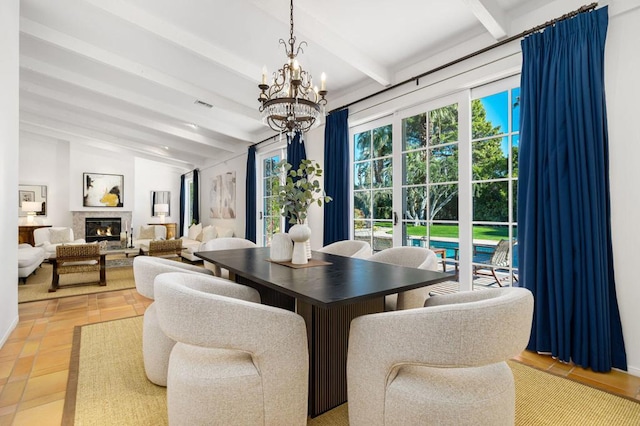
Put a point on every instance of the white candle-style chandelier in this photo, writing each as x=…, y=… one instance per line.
x=291, y=104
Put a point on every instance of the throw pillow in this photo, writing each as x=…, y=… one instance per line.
x=57, y=236
x=194, y=231
x=147, y=233
x=224, y=232
x=208, y=233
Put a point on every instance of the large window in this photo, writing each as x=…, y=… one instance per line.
x=430, y=180
x=270, y=218
x=443, y=175
x=373, y=186
x=495, y=140
x=188, y=202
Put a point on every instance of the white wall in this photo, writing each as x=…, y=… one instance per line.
x=60, y=164
x=87, y=159
x=9, y=66
x=623, y=91
x=154, y=176
x=46, y=162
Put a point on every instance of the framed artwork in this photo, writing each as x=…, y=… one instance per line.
x=222, y=196
x=32, y=193
x=102, y=190
x=160, y=197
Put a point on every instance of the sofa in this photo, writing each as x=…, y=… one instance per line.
x=50, y=238
x=198, y=235
x=29, y=259
x=148, y=233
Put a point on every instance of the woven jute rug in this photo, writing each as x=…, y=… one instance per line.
x=119, y=277
x=107, y=386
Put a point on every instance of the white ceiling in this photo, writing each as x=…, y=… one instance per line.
x=125, y=75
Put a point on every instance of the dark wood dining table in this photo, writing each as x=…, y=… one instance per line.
x=328, y=297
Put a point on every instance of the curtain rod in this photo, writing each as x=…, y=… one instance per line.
x=523, y=34
x=585, y=8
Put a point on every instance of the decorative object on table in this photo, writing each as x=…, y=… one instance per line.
x=300, y=234
x=123, y=239
x=281, y=247
x=291, y=104
x=131, y=236
x=300, y=190
x=161, y=210
x=102, y=190
x=31, y=208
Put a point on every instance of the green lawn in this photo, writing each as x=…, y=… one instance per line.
x=451, y=231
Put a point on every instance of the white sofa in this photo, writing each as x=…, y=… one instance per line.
x=29, y=259
x=50, y=238
x=147, y=234
x=198, y=235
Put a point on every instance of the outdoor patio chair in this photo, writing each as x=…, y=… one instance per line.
x=498, y=260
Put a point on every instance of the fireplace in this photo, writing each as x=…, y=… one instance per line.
x=102, y=228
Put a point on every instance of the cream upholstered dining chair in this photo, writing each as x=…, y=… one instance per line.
x=235, y=362
x=348, y=248
x=411, y=257
x=442, y=364
x=227, y=243
x=156, y=346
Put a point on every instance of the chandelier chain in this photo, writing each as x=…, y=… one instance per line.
x=291, y=39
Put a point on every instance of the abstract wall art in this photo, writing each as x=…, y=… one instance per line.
x=102, y=190
x=222, y=196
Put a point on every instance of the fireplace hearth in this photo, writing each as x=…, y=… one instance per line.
x=102, y=229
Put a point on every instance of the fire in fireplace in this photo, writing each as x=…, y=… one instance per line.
x=102, y=228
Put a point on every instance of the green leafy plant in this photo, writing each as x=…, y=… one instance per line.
x=301, y=188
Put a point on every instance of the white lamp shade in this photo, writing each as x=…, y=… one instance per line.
x=31, y=206
x=161, y=209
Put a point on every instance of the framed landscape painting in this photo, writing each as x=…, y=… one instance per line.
x=102, y=190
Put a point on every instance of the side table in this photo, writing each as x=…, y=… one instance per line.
x=25, y=233
x=171, y=229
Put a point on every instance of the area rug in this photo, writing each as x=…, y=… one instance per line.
x=119, y=277
x=107, y=386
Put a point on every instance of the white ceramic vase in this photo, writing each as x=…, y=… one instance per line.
x=281, y=247
x=299, y=235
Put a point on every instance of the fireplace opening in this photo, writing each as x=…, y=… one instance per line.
x=102, y=229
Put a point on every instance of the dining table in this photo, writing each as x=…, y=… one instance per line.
x=328, y=292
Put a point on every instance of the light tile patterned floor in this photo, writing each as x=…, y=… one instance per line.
x=34, y=361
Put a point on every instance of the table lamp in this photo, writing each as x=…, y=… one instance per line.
x=161, y=210
x=31, y=207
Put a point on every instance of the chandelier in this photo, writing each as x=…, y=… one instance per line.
x=291, y=104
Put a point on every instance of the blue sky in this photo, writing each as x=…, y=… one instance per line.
x=497, y=109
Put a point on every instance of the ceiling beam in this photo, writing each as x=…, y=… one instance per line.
x=176, y=35
x=115, y=92
x=331, y=42
x=40, y=131
x=77, y=102
x=491, y=15
x=133, y=68
x=71, y=124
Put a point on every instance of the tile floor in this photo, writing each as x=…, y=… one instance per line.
x=34, y=361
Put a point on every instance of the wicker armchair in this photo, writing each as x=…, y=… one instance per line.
x=165, y=248
x=76, y=258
